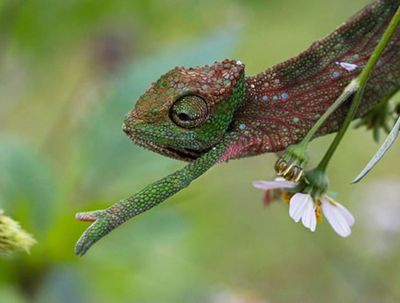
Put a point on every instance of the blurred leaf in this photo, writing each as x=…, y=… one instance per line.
x=10, y=295
x=160, y=231
x=26, y=183
x=64, y=284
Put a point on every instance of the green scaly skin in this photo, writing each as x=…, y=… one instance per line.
x=210, y=114
x=108, y=219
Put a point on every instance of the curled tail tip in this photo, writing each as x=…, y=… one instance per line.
x=82, y=246
x=86, y=241
x=99, y=228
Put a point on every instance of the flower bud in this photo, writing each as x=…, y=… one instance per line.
x=13, y=237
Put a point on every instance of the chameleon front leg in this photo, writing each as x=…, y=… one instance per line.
x=108, y=219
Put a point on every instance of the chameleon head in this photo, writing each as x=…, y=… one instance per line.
x=187, y=111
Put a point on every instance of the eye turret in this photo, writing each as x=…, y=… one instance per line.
x=189, y=111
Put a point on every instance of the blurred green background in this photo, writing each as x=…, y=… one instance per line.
x=70, y=70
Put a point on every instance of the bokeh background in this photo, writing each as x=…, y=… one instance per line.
x=70, y=70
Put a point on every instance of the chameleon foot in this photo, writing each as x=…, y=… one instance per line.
x=102, y=224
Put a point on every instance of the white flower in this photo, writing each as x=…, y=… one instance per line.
x=303, y=207
x=277, y=183
x=337, y=215
x=274, y=189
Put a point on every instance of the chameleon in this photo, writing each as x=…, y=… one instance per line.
x=210, y=114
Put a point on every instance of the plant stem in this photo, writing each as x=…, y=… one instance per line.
x=362, y=81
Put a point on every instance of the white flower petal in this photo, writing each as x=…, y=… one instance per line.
x=268, y=185
x=346, y=214
x=298, y=205
x=309, y=218
x=335, y=218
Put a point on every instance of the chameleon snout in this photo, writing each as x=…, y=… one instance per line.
x=130, y=122
x=126, y=129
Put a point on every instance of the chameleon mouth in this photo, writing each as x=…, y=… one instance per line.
x=184, y=154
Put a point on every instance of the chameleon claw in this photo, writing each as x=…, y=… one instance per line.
x=102, y=225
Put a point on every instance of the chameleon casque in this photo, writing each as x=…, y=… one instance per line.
x=211, y=114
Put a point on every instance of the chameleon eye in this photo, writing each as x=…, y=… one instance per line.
x=189, y=111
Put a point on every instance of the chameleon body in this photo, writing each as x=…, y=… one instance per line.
x=210, y=114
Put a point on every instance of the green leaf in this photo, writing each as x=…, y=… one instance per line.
x=27, y=187
x=391, y=138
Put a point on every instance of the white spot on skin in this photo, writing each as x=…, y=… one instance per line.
x=347, y=66
x=285, y=96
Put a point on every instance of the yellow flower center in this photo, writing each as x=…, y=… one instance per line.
x=318, y=212
x=286, y=196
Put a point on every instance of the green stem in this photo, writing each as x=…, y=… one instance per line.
x=348, y=91
x=362, y=81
